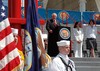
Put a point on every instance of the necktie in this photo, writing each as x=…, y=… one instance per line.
x=66, y=65
x=69, y=62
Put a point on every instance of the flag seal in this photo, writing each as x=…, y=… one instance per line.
x=64, y=33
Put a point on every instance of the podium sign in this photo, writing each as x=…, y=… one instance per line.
x=64, y=33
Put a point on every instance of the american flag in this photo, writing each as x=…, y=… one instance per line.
x=9, y=56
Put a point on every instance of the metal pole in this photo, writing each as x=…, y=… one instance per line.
x=82, y=4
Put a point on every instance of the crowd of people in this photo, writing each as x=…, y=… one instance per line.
x=60, y=49
x=79, y=34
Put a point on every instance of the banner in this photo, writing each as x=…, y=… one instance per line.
x=42, y=13
x=87, y=16
x=64, y=16
x=91, y=15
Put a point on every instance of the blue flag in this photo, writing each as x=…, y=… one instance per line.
x=31, y=51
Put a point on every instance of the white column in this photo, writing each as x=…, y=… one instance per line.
x=45, y=3
x=98, y=4
x=82, y=5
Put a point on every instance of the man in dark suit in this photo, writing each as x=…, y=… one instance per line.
x=51, y=26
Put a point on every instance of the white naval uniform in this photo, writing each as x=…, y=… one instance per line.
x=58, y=65
x=78, y=35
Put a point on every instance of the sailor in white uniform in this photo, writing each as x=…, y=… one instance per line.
x=62, y=62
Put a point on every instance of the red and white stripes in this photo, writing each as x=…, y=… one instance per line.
x=9, y=56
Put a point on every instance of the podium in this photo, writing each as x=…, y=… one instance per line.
x=64, y=33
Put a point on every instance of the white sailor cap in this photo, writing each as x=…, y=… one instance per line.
x=44, y=36
x=14, y=31
x=63, y=43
